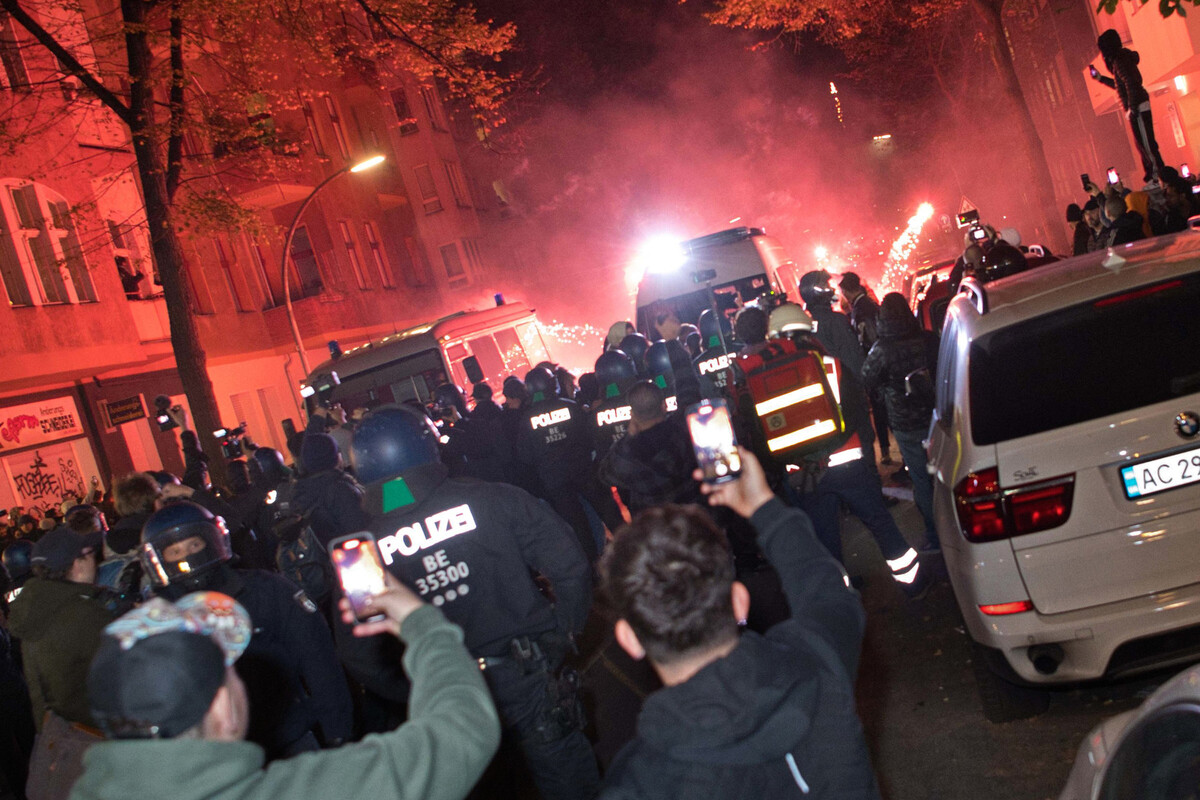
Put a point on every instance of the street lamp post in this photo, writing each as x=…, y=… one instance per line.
x=361, y=166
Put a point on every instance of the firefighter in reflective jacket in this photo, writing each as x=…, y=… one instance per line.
x=555, y=439
x=470, y=548
x=823, y=481
x=716, y=363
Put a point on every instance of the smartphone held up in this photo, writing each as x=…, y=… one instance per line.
x=360, y=572
x=711, y=427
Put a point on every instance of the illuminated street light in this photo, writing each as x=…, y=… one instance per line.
x=361, y=166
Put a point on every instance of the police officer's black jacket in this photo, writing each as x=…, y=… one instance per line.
x=716, y=369
x=610, y=421
x=332, y=502
x=467, y=547
x=290, y=669
x=839, y=340
x=555, y=438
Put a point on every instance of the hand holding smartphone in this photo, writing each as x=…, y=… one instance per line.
x=711, y=427
x=1095, y=72
x=1113, y=177
x=360, y=573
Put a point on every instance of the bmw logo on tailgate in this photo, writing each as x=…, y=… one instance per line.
x=1187, y=424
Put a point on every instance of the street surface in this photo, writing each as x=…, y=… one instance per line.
x=917, y=698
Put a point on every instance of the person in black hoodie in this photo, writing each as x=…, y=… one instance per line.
x=901, y=367
x=654, y=461
x=739, y=716
x=1127, y=80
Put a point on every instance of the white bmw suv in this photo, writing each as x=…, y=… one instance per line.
x=1065, y=449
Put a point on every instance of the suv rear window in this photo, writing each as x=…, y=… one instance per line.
x=1087, y=361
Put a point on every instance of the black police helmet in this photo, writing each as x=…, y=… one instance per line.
x=16, y=560
x=541, y=381
x=815, y=289
x=635, y=345
x=450, y=395
x=391, y=440
x=710, y=323
x=271, y=465
x=1002, y=260
x=173, y=524
x=616, y=372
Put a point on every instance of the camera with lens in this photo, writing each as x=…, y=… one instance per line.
x=162, y=409
x=231, y=441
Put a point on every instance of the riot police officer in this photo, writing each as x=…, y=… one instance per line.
x=635, y=345
x=716, y=363
x=298, y=693
x=671, y=370
x=615, y=372
x=470, y=548
x=554, y=438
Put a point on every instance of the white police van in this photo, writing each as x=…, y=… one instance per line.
x=462, y=348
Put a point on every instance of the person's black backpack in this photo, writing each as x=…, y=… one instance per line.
x=300, y=557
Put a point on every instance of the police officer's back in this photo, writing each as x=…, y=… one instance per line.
x=615, y=372
x=468, y=548
x=555, y=439
x=715, y=364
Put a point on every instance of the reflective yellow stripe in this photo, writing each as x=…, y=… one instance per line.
x=845, y=456
x=788, y=399
x=802, y=435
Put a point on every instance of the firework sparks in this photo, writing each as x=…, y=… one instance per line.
x=902, y=248
x=576, y=347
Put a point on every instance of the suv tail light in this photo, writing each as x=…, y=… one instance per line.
x=987, y=512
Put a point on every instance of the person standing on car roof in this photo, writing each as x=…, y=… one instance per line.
x=556, y=441
x=847, y=476
x=1127, y=80
x=470, y=549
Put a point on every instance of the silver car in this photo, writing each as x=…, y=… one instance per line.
x=1149, y=753
x=1066, y=462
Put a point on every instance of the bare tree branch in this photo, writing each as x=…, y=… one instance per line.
x=64, y=56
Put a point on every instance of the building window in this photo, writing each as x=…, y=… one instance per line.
x=237, y=286
x=429, y=194
x=457, y=185
x=16, y=76
x=314, y=133
x=408, y=122
x=433, y=108
x=129, y=261
x=305, y=260
x=339, y=133
x=44, y=258
x=453, y=263
x=377, y=256
x=474, y=260
x=259, y=262
x=352, y=253
x=202, y=302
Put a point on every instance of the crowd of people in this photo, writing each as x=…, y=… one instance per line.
x=197, y=639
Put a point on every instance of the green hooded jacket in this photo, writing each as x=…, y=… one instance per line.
x=59, y=624
x=439, y=753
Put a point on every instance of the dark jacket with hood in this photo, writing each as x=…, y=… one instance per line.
x=59, y=624
x=654, y=467
x=903, y=348
x=1123, y=64
x=332, y=502
x=775, y=718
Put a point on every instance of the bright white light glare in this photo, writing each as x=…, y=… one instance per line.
x=661, y=254
x=307, y=391
x=883, y=137
x=821, y=252
x=373, y=161
x=903, y=247
x=1181, y=83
